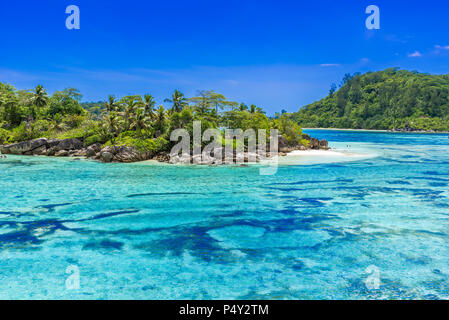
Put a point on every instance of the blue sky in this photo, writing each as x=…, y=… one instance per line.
x=275, y=54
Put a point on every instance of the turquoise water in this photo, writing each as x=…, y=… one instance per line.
x=146, y=231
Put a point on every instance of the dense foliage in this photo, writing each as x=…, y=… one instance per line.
x=389, y=99
x=132, y=120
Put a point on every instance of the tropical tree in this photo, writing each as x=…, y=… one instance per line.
x=39, y=100
x=290, y=130
x=220, y=102
x=243, y=107
x=111, y=126
x=208, y=99
x=140, y=121
x=202, y=103
x=149, y=105
x=10, y=109
x=66, y=102
x=129, y=107
x=160, y=121
x=57, y=123
x=111, y=105
x=178, y=101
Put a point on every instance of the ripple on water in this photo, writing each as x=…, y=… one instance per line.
x=241, y=237
x=308, y=232
x=103, y=245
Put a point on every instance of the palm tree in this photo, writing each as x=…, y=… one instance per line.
x=259, y=110
x=178, y=100
x=160, y=120
x=57, y=123
x=111, y=126
x=111, y=105
x=243, y=107
x=130, y=105
x=149, y=104
x=139, y=121
x=39, y=100
x=254, y=109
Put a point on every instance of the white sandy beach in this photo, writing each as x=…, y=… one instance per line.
x=338, y=153
x=319, y=153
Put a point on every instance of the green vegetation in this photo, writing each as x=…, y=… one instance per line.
x=132, y=120
x=389, y=99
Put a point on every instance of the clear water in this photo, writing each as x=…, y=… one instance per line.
x=146, y=231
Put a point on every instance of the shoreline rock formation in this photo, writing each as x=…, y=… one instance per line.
x=75, y=148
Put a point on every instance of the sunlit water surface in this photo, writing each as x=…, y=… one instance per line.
x=149, y=231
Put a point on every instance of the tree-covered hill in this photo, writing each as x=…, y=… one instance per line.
x=389, y=99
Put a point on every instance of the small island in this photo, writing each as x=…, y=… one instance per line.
x=135, y=128
x=129, y=129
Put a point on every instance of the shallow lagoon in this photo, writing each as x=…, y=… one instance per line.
x=150, y=231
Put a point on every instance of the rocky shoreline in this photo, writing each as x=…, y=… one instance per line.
x=127, y=154
x=409, y=128
x=415, y=131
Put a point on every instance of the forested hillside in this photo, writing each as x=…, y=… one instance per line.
x=389, y=99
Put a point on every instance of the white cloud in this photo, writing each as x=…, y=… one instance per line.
x=395, y=38
x=326, y=65
x=442, y=47
x=415, y=54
